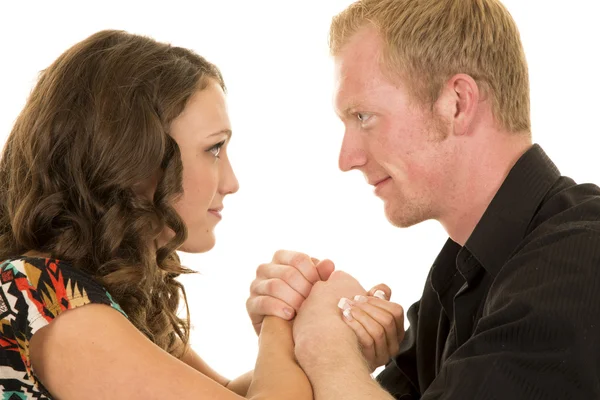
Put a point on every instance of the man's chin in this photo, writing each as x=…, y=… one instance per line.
x=403, y=219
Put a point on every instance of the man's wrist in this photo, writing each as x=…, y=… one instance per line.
x=318, y=353
x=338, y=370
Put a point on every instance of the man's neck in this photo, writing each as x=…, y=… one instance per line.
x=479, y=180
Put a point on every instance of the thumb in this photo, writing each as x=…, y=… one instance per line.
x=325, y=268
x=382, y=287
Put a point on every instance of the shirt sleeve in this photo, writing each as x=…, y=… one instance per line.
x=34, y=292
x=538, y=337
x=45, y=288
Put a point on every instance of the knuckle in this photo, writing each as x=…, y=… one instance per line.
x=398, y=312
x=258, y=303
x=272, y=285
x=279, y=254
x=261, y=270
x=367, y=342
x=253, y=285
x=379, y=333
x=388, y=320
x=299, y=258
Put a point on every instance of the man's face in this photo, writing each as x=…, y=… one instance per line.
x=399, y=146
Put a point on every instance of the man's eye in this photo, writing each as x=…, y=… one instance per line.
x=362, y=117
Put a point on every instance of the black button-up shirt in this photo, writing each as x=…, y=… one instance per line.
x=515, y=313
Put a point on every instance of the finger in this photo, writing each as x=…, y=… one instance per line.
x=288, y=274
x=384, y=288
x=278, y=289
x=260, y=306
x=325, y=268
x=365, y=340
x=394, y=309
x=300, y=261
x=382, y=318
x=375, y=331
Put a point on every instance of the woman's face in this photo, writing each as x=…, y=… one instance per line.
x=202, y=132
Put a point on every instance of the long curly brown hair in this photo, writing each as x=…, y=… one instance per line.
x=94, y=130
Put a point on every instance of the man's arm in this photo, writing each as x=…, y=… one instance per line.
x=327, y=348
x=538, y=337
x=337, y=370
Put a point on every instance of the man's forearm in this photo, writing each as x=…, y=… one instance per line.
x=340, y=372
x=346, y=383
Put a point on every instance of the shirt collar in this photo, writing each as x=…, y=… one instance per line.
x=505, y=221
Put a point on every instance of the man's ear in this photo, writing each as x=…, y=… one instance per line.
x=458, y=103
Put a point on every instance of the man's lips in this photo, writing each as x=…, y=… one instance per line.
x=382, y=181
x=380, y=184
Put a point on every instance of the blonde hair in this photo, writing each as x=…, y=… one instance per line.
x=427, y=42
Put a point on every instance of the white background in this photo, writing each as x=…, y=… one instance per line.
x=274, y=57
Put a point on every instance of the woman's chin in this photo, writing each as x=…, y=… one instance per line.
x=199, y=245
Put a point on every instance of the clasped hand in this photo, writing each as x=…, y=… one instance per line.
x=283, y=285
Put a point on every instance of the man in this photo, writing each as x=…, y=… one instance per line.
x=434, y=96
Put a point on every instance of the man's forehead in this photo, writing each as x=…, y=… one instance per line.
x=358, y=63
x=355, y=81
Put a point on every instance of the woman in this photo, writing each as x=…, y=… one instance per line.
x=118, y=159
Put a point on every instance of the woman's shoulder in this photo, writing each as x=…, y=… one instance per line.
x=51, y=285
x=33, y=292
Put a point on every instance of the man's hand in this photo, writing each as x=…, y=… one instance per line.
x=377, y=322
x=282, y=285
x=320, y=333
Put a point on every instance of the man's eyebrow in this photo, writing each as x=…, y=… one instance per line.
x=223, y=131
x=350, y=109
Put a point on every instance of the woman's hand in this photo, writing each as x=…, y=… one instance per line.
x=282, y=285
x=377, y=323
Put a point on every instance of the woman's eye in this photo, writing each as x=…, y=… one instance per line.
x=216, y=149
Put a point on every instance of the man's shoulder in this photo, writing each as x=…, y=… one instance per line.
x=558, y=261
x=563, y=236
x=566, y=209
x=566, y=244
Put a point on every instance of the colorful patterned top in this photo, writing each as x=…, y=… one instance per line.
x=34, y=291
